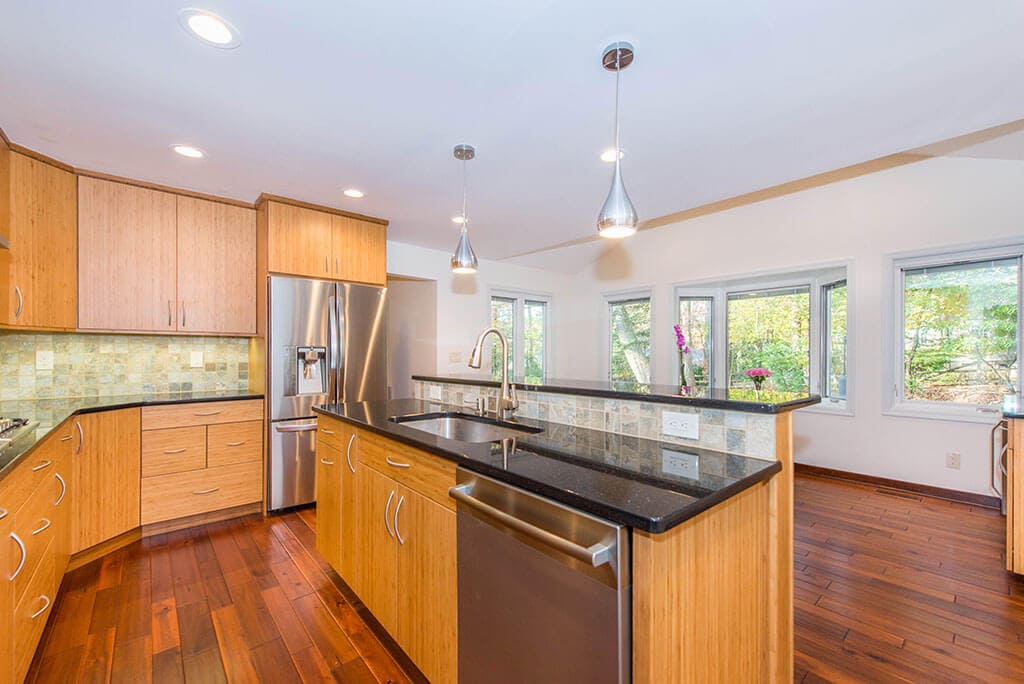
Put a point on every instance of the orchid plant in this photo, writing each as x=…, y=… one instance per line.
x=758, y=375
x=686, y=379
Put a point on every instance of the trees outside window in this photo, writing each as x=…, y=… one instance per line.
x=770, y=329
x=629, y=358
x=523, y=319
x=834, y=323
x=696, y=320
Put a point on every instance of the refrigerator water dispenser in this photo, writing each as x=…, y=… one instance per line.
x=307, y=370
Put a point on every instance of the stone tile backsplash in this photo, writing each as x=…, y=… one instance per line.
x=737, y=432
x=87, y=365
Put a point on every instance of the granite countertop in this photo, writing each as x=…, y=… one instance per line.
x=747, y=400
x=50, y=413
x=649, y=485
x=1013, y=406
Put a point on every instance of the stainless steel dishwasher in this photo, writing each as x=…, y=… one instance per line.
x=544, y=590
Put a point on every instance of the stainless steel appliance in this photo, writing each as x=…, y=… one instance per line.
x=544, y=590
x=998, y=446
x=325, y=344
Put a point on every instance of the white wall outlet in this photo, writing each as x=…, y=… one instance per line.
x=953, y=460
x=44, y=360
x=196, y=359
x=680, y=463
x=455, y=357
x=685, y=425
x=435, y=392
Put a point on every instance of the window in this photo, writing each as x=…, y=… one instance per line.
x=770, y=329
x=523, y=319
x=833, y=363
x=629, y=343
x=696, y=316
x=958, y=329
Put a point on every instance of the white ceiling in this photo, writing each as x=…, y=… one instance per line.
x=723, y=99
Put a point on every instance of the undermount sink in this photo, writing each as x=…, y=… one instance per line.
x=465, y=428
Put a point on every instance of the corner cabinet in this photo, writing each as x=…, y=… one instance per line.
x=1015, y=497
x=153, y=261
x=38, y=216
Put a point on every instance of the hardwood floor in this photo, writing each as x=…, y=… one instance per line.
x=890, y=587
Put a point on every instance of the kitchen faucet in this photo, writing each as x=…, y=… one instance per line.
x=507, y=399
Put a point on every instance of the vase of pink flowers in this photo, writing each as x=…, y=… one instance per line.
x=758, y=375
x=686, y=379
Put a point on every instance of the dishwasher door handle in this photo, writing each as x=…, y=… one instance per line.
x=596, y=555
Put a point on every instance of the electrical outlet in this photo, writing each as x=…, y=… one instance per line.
x=44, y=360
x=953, y=460
x=685, y=425
x=196, y=359
x=455, y=357
x=680, y=463
x=435, y=392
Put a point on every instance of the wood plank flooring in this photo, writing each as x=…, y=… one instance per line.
x=890, y=587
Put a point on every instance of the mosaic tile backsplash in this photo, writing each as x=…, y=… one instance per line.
x=103, y=365
x=736, y=432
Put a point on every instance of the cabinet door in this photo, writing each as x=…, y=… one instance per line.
x=1015, y=498
x=299, y=241
x=43, y=257
x=127, y=254
x=8, y=561
x=375, y=546
x=359, y=249
x=216, y=267
x=329, y=464
x=427, y=586
x=351, y=532
x=106, y=476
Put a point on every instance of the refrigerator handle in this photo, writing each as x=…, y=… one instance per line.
x=334, y=349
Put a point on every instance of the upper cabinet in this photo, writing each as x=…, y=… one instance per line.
x=305, y=241
x=37, y=214
x=153, y=261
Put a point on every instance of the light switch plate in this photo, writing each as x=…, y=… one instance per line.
x=455, y=357
x=44, y=360
x=196, y=359
x=685, y=425
x=681, y=464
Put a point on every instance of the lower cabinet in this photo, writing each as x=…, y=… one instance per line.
x=1015, y=497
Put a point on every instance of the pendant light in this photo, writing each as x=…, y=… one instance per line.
x=618, y=217
x=463, y=258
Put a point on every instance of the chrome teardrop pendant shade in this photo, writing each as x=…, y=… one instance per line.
x=618, y=216
x=464, y=258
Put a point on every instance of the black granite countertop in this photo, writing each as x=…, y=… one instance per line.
x=1013, y=406
x=50, y=413
x=641, y=483
x=747, y=400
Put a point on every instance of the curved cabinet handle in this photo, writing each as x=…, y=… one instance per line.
x=396, y=463
x=24, y=556
x=66, y=438
x=21, y=302
x=207, y=491
x=183, y=314
x=46, y=604
x=206, y=413
x=42, y=528
x=398, y=534
x=348, y=452
x=63, y=489
x=326, y=431
x=3, y=513
x=81, y=438
x=170, y=313
x=326, y=462
x=45, y=463
x=387, y=508
x=237, y=444
x=175, y=451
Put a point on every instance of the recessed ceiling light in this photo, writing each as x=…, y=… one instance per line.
x=458, y=219
x=188, y=151
x=609, y=155
x=352, y=192
x=209, y=28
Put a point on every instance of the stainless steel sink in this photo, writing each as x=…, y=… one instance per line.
x=465, y=428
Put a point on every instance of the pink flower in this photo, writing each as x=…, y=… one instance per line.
x=681, y=340
x=757, y=373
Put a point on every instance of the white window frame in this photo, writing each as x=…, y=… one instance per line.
x=623, y=296
x=893, y=386
x=519, y=324
x=717, y=323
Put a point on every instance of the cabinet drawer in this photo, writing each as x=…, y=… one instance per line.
x=234, y=443
x=35, y=524
x=425, y=473
x=173, y=450
x=177, y=495
x=40, y=465
x=201, y=413
x=32, y=613
x=329, y=432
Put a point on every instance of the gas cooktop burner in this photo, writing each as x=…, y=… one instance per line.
x=11, y=424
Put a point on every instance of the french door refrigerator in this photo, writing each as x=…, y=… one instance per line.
x=325, y=344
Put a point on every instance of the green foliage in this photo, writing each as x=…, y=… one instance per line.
x=630, y=359
x=771, y=331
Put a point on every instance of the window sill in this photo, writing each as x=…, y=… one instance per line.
x=828, y=408
x=959, y=414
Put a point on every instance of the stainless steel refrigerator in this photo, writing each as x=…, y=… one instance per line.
x=325, y=344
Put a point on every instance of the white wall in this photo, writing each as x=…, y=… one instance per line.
x=412, y=332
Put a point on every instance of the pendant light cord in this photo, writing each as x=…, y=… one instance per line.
x=464, y=195
x=618, y=70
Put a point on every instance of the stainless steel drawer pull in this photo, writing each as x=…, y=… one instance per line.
x=66, y=438
x=326, y=462
x=175, y=451
x=46, y=604
x=595, y=555
x=398, y=534
x=21, y=303
x=81, y=438
x=348, y=453
x=396, y=463
x=295, y=428
x=3, y=513
x=170, y=313
x=236, y=444
x=42, y=464
x=63, y=489
x=24, y=556
x=326, y=431
x=206, y=413
x=42, y=528
x=387, y=508
x=207, y=491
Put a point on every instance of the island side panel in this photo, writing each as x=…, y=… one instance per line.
x=780, y=574
x=701, y=595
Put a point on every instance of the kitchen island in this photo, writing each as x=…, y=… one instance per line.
x=710, y=531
